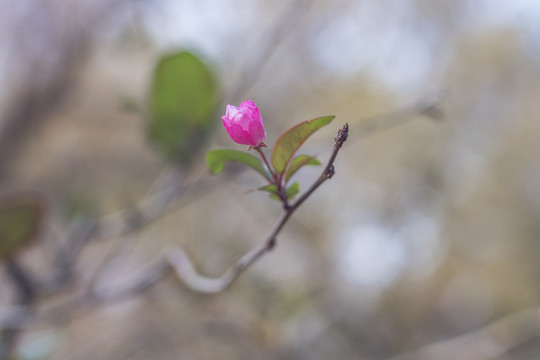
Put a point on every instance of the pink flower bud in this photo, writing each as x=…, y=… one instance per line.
x=244, y=124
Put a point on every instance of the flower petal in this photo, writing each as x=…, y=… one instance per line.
x=257, y=133
x=244, y=124
x=231, y=111
x=239, y=135
x=247, y=104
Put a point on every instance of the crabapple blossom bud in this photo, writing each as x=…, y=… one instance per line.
x=244, y=124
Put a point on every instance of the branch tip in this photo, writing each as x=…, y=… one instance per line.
x=342, y=135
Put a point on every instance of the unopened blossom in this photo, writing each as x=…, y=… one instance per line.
x=244, y=124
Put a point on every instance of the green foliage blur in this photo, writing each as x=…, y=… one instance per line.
x=19, y=221
x=182, y=106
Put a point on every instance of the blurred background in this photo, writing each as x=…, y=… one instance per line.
x=424, y=245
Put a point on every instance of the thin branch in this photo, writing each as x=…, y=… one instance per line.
x=21, y=317
x=193, y=280
x=329, y=170
x=123, y=221
x=148, y=277
x=430, y=108
x=21, y=280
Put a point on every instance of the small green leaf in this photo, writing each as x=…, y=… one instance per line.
x=293, y=190
x=216, y=160
x=19, y=221
x=182, y=105
x=272, y=189
x=297, y=163
x=292, y=139
x=269, y=188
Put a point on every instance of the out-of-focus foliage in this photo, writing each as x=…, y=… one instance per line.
x=182, y=103
x=19, y=222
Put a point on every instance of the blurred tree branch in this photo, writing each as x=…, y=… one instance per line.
x=42, y=85
x=431, y=108
x=25, y=291
x=488, y=342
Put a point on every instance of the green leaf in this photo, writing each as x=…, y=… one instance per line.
x=293, y=190
x=216, y=160
x=182, y=105
x=292, y=139
x=272, y=189
x=19, y=222
x=297, y=163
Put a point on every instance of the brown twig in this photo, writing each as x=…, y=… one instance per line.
x=186, y=271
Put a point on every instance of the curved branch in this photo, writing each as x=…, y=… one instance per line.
x=185, y=270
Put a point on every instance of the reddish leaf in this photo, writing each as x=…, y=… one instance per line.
x=292, y=139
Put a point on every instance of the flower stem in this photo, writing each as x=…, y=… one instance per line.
x=274, y=176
